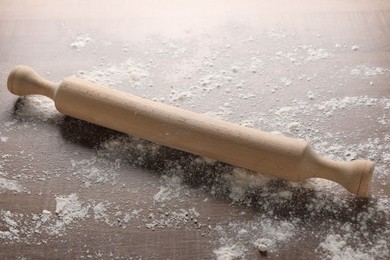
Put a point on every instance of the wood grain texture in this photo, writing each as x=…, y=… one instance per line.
x=175, y=48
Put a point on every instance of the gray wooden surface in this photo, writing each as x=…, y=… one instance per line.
x=317, y=70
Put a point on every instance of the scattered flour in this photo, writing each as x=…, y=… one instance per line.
x=262, y=230
x=30, y=109
x=286, y=82
x=95, y=170
x=293, y=125
x=80, y=42
x=10, y=185
x=229, y=252
x=303, y=54
x=12, y=232
x=182, y=96
x=275, y=34
x=336, y=246
x=241, y=181
x=4, y=139
x=40, y=220
x=173, y=188
x=277, y=218
x=7, y=184
x=100, y=212
x=317, y=54
x=310, y=95
x=367, y=72
x=69, y=210
x=129, y=72
x=135, y=214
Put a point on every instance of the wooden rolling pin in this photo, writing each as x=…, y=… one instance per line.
x=270, y=154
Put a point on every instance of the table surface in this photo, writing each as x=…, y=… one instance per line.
x=316, y=70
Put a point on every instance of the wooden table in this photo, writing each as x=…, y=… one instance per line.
x=317, y=70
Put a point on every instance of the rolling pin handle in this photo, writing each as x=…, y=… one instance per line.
x=23, y=81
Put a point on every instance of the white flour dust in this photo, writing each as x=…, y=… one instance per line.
x=177, y=190
x=80, y=42
x=68, y=210
x=11, y=185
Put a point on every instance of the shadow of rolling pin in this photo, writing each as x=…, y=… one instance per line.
x=282, y=157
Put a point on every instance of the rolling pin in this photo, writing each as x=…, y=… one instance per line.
x=269, y=154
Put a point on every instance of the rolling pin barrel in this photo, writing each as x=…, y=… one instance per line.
x=270, y=154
